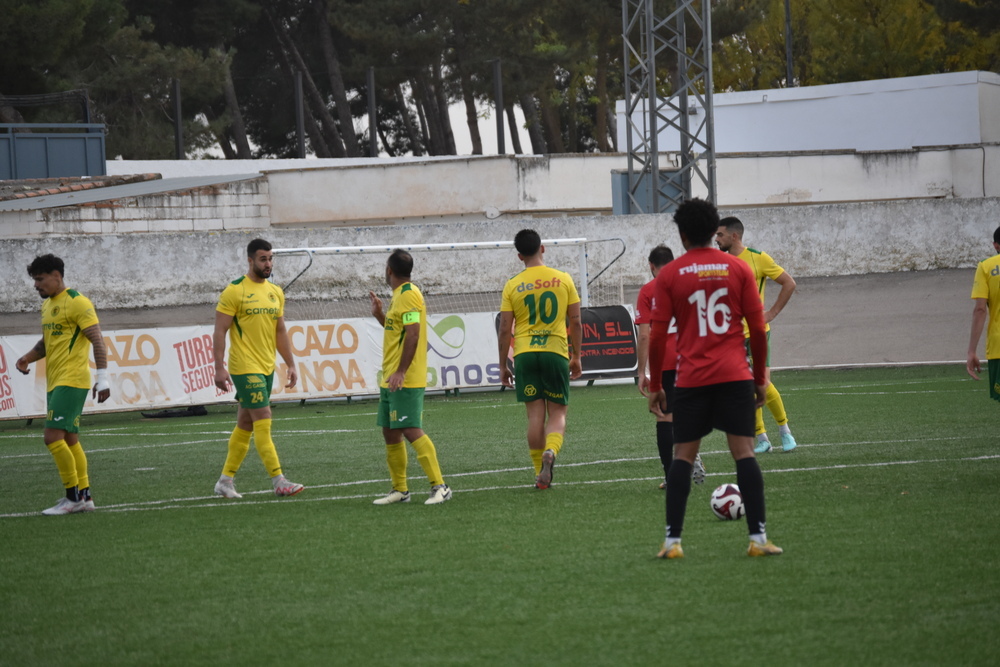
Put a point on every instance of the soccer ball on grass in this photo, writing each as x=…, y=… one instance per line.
x=727, y=502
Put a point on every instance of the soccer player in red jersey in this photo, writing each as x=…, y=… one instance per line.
x=659, y=257
x=710, y=292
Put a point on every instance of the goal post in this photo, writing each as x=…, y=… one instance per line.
x=458, y=277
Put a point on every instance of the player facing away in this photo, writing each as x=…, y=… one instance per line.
x=251, y=310
x=659, y=257
x=709, y=292
x=541, y=304
x=404, y=380
x=729, y=238
x=69, y=329
x=986, y=294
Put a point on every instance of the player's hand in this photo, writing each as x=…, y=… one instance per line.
x=644, y=384
x=396, y=380
x=376, y=304
x=972, y=365
x=293, y=377
x=761, y=394
x=222, y=380
x=575, y=368
x=100, y=394
x=769, y=316
x=22, y=366
x=657, y=402
x=506, y=376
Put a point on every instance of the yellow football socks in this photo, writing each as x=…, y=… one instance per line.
x=65, y=462
x=554, y=441
x=427, y=457
x=265, y=447
x=395, y=456
x=536, y=458
x=239, y=445
x=83, y=480
x=776, y=405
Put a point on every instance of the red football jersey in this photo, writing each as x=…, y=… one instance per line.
x=709, y=292
x=644, y=315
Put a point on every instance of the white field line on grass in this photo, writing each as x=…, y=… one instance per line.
x=212, y=501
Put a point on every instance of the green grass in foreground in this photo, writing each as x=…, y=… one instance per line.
x=886, y=513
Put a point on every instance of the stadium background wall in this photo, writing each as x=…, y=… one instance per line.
x=137, y=270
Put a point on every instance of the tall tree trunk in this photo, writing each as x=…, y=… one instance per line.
x=442, y=105
x=601, y=89
x=471, y=116
x=336, y=79
x=530, y=110
x=432, y=115
x=515, y=131
x=551, y=125
x=573, y=131
x=385, y=142
x=237, y=128
x=613, y=127
x=314, y=97
x=415, y=139
x=424, y=131
x=316, y=139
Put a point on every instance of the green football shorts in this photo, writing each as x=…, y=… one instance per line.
x=541, y=375
x=403, y=408
x=993, y=370
x=746, y=343
x=64, y=406
x=253, y=390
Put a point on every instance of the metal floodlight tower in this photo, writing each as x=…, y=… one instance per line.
x=651, y=42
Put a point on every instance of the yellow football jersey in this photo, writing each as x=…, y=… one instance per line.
x=763, y=267
x=987, y=286
x=67, y=350
x=255, y=308
x=539, y=297
x=407, y=307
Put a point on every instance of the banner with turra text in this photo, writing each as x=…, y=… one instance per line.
x=175, y=367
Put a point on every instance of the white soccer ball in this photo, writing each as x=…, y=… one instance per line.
x=727, y=502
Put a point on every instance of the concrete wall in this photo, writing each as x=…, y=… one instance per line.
x=243, y=204
x=169, y=268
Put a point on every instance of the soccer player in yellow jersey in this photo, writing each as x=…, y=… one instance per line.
x=252, y=311
x=986, y=294
x=69, y=329
x=538, y=302
x=403, y=381
x=729, y=238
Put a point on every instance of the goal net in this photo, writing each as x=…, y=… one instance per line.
x=333, y=282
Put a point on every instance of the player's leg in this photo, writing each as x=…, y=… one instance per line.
x=763, y=442
x=692, y=422
x=82, y=471
x=527, y=384
x=665, y=427
x=553, y=378
x=734, y=415
x=407, y=406
x=258, y=406
x=395, y=452
x=64, y=407
x=239, y=440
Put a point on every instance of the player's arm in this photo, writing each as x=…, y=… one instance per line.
x=979, y=312
x=657, y=343
x=411, y=338
x=753, y=313
x=503, y=347
x=102, y=389
x=787, y=288
x=575, y=340
x=284, y=345
x=222, y=324
x=376, y=308
x=32, y=355
x=643, y=352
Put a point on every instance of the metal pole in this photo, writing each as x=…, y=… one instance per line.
x=300, y=116
x=372, y=133
x=789, y=75
x=178, y=125
x=584, y=289
x=498, y=106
